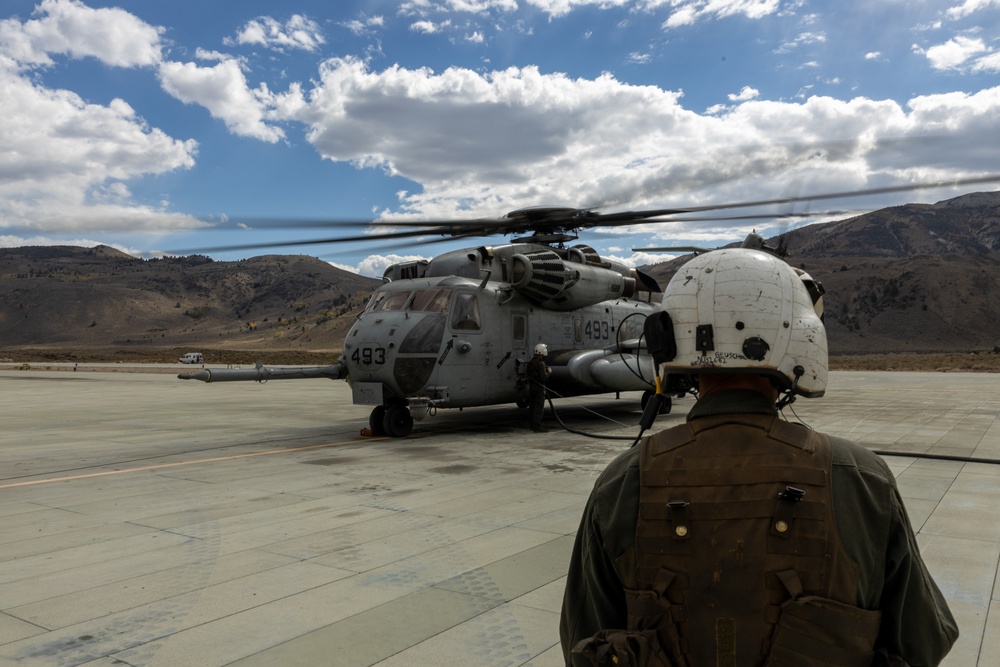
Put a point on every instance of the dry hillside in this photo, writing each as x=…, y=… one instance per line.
x=82, y=303
x=915, y=278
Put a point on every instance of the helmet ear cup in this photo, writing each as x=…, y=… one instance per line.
x=659, y=332
x=815, y=290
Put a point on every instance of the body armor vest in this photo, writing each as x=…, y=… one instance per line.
x=737, y=561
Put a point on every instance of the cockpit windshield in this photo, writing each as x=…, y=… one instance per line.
x=392, y=301
x=430, y=300
x=423, y=301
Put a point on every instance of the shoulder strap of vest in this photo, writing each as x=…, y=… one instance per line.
x=793, y=434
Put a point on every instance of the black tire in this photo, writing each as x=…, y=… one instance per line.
x=376, y=420
x=398, y=422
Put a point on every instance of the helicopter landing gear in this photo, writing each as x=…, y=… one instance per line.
x=664, y=406
x=376, y=420
x=397, y=422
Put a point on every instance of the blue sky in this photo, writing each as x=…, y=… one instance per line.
x=150, y=125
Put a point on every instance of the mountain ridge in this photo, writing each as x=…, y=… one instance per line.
x=916, y=278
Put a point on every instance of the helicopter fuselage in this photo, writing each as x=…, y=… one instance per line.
x=454, y=342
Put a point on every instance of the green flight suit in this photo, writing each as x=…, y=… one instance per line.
x=917, y=627
x=538, y=373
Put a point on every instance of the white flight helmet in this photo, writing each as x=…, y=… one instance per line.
x=747, y=311
x=542, y=349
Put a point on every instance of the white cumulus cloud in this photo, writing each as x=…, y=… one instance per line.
x=68, y=27
x=747, y=93
x=224, y=91
x=298, y=32
x=555, y=140
x=970, y=7
x=375, y=265
x=955, y=53
x=688, y=12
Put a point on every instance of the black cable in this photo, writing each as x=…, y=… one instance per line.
x=939, y=457
x=653, y=408
x=585, y=434
x=618, y=342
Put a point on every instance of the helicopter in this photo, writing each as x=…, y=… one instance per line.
x=458, y=330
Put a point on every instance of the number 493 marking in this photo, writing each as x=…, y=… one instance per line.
x=369, y=356
x=597, y=329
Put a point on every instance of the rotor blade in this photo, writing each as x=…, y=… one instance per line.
x=307, y=242
x=993, y=178
x=680, y=248
x=244, y=223
x=562, y=219
x=760, y=216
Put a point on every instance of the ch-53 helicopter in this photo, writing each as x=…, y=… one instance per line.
x=458, y=330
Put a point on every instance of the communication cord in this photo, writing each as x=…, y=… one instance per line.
x=645, y=422
x=915, y=455
x=653, y=407
x=618, y=342
x=939, y=457
x=597, y=436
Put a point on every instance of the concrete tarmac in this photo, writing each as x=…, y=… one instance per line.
x=149, y=521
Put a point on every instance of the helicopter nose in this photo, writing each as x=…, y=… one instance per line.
x=424, y=336
x=418, y=354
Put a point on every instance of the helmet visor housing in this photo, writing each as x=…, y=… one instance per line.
x=745, y=311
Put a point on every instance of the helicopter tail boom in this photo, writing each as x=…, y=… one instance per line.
x=263, y=374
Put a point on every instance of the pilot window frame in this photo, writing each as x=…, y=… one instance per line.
x=375, y=301
x=465, y=314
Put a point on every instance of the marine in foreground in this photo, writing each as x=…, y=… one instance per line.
x=738, y=538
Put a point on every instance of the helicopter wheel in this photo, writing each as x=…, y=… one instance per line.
x=376, y=420
x=398, y=422
x=664, y=406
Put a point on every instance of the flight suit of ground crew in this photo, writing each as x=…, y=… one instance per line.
x=538, y=373
x=733, y=494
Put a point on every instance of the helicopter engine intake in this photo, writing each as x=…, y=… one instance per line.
x=545, y=278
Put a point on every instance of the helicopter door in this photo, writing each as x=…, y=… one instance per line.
x=472, y=350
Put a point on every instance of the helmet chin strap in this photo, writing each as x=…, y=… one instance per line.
x=789, y=396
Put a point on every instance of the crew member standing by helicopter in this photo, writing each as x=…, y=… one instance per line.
x=538, y=373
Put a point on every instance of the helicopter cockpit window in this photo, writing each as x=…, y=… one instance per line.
x=373, y=303
x=393, y=301
x=430, y=300
x=465, y=315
